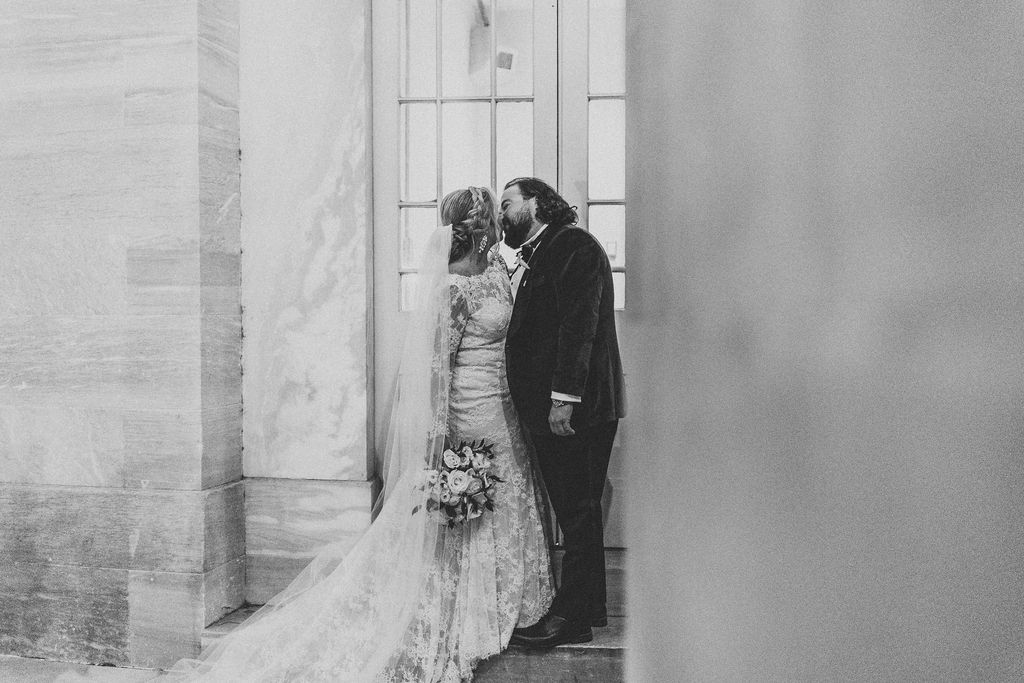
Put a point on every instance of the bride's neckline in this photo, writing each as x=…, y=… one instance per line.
x=483, y=272
x=480, y=274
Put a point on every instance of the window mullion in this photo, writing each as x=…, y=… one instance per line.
x=573, y=89
x=438, y=62
x=494, y=95
x=545, y=91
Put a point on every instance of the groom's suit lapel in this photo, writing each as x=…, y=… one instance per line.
x=526, y=285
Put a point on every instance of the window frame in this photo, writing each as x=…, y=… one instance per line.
x=560, y=122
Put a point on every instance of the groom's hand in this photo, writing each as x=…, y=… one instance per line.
x=559, y=418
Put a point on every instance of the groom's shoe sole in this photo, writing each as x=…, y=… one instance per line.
x=584, y=637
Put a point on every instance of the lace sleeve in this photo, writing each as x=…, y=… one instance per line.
x=459, y=318
x=499, y=261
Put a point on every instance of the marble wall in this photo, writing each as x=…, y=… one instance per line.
x=120, y=388
x=305, y=132
x=828, y=207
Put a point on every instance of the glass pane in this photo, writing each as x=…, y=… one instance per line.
x=608, y=225
x=465, y=145
x=416, y=226
x=407, y=285
x=418, y=155
x=419, y=49
x=607, y=46
x=466, y=47
x=607, y=150
x=619, y=283
x=514, y=50
x=515, y=141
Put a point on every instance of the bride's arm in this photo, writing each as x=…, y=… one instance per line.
x=458, y=319
x=452, y=320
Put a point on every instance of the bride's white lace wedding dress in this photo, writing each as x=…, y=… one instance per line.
x=414, y=600
x=504, y=553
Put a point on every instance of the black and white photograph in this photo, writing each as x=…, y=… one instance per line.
x=322, y=359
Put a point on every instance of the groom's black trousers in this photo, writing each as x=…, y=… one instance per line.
x=574, y=470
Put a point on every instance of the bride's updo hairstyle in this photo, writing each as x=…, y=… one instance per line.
x=471, y=212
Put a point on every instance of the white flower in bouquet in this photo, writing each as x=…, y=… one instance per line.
x=462, y=487
x=458, y=481
x=451, y=459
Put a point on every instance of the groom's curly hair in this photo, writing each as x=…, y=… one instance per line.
x=551, y=208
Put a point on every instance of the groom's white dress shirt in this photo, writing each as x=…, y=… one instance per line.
x=522, y=266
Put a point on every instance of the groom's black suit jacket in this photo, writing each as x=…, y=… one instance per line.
x=562, y=333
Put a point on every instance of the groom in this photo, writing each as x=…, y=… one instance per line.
x=565, y=377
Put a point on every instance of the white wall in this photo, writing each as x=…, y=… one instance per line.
x=825, y=203
x=305, y=193
x=305, y=127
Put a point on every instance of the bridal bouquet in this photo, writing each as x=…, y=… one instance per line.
x=464, y=486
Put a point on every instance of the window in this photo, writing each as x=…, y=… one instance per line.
x=482, y=91
x=606, y=130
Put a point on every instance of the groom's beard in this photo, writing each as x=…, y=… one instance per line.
x=516, y=228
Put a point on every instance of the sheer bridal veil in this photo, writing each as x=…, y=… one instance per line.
x=355, y=612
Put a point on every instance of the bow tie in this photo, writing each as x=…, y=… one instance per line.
x=523, y=257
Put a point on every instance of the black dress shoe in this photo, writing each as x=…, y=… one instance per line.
x=601, y=620
x=528, y=631
x=552, y=630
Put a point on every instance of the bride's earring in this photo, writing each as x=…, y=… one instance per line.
x=483, y=245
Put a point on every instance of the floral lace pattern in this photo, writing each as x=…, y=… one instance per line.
x=495, y=569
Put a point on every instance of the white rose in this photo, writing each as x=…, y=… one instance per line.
x=458, y=481
x=467, y=452
x=451, y=459
x=474, y=486
x=446, y=497
x=430, y=477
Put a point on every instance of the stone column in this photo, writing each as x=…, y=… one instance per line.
x=120, y=398
x=307, y=282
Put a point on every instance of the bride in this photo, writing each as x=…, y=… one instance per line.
x=416, y=599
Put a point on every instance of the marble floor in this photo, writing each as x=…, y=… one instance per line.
x=25, y=670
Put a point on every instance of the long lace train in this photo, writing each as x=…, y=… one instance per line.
x=414, y=600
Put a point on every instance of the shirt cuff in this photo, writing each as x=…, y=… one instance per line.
x=566, y=397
